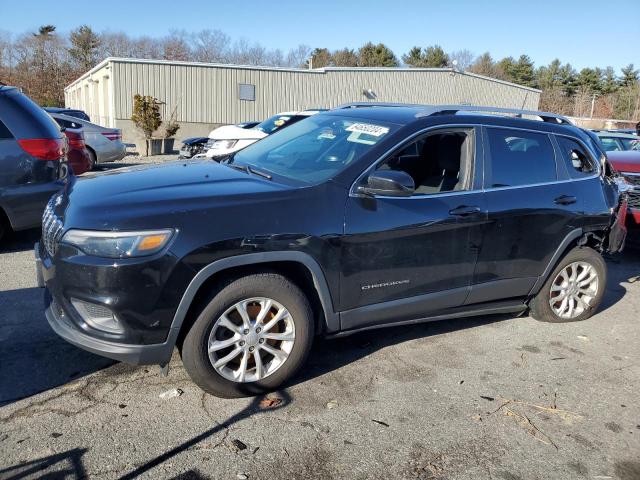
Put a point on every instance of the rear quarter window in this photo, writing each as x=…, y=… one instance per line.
x=578, y=161
x=25, y=118
x=520, y=158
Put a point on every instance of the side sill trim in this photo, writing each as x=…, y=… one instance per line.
x=499, y=307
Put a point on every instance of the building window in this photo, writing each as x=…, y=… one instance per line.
x=247, y=92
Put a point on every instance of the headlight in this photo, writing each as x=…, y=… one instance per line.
x=622, y=183
x=223, y=144
x=118, y=244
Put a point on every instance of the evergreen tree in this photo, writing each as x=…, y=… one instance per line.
x=344, y=58
x=589, y=80
x=379, y=55
x=522, y=72
x=45, y=30
x=84, y=47
x=568, y=79
x=431, y=57
x=414, y=58
x=609, y=81
x=629, y=76
x=549, y=76
x=320, y=57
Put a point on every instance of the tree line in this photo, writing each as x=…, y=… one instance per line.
x=602, y=92
x=43, y=62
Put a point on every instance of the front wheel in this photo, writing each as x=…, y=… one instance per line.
x=253, y=335
x=574, y=290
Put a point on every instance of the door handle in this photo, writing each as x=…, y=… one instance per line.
x=464, y=210
x=565, y=200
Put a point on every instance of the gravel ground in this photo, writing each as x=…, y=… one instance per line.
x=495, y=397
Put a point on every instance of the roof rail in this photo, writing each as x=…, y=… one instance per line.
x=376, y=104
x=453, y=109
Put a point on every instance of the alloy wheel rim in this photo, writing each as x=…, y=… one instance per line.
x=574, y=290
x=251, y=340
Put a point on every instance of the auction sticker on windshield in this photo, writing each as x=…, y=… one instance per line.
x=367, y=128
x=366, y=133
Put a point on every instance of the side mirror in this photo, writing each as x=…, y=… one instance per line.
x=389, y=183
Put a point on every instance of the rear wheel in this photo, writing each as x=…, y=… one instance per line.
x=574, y=290
x=253, y=335
x=92, y=159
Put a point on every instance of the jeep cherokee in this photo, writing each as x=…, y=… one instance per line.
x=357, y=218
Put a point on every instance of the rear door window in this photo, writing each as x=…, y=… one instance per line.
x=575, y=155
x=610, y=144
x=520, y=157
x=4, y=131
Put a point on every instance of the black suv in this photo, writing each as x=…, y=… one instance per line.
x=360, y=217
x=33, y=161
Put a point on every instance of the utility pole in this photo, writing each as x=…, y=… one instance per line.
x=593, y=104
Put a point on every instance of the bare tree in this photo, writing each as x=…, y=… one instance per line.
x=210, y=46
x=298, y=56
x=176, y=47
x=463, y=58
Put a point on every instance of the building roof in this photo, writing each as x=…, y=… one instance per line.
x=313, y=71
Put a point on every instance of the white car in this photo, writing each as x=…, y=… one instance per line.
x=229, y=139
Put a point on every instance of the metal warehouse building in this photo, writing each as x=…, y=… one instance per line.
x=208, y=95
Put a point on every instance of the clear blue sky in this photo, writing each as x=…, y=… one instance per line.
x=582, y=32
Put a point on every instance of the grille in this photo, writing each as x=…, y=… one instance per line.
x=634, y=199
x=632, y=179
x=51, y=228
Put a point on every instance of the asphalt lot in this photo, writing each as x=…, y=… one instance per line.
x=485, y=398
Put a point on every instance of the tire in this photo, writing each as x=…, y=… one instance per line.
x=199, y=363
x=5, y=226
x=92, y=159
x=586, y=299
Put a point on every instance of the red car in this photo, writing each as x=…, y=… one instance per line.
x=627, y=163
x=77, y=155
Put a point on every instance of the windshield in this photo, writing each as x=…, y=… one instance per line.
x=276, y=122
x=630, y=143
x=314, y=149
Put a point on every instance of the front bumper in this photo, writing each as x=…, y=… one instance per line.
x=134, y=354
x=145, y=340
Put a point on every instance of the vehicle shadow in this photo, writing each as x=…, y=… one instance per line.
x=274, y=401
x=622, y=268
x=69, y=464
x=20, y=241
x=33, y=358
x=64, y=465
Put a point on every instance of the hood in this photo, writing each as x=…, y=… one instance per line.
x=625, y=161
x=192, y=140
x=232, y=132
x=122, y=198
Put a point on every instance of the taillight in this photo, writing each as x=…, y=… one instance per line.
x=44, y=148
x=76, y=140
x=117, y=135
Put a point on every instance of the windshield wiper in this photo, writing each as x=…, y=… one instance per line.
x=249, y=169
x=243, y=168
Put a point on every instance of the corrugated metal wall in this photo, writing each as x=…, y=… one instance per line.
x=209, y=94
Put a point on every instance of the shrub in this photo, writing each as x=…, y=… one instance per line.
x=146, y=115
